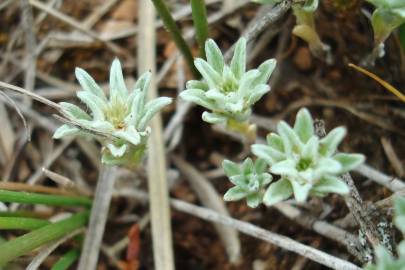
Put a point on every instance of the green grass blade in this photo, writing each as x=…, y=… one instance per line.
x=171, y=26
x=26, y=243
x=66, y=260
x=37, y=198
x=199, y=13
x=22, y=223
x=21, y=213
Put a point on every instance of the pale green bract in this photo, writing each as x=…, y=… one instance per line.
x=306, y=164
x=250, y=180
x=123, y=117
x=228, y=92
x=384, y=259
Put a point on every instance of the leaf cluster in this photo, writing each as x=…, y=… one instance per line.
x=306, y=164
x=124, y=115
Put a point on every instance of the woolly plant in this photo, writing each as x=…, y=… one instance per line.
x=122, y=118
x=228, y=92
x=304, y=163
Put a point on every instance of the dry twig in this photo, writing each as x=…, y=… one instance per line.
x=157, y=180
x=210, y=198
x=98, y=219
x=252, y=230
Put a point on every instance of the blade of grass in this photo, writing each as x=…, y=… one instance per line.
x=66, y=260
x=50, y=247
x=22, y=213
x=387, y=86
x=171, y=26
x=21, y=223
x=36, y=198
x=32, y=240
x=199, y=13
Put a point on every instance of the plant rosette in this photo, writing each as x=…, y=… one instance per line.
x=306, y=164
x=250, y=180
x=228, y=91
x=122, y=118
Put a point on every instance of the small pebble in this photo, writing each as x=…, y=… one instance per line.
x=303, y=59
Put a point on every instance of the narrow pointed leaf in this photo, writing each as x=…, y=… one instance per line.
x=88, y=84
x=95, y=104
x=238, y=62
x=349, y=161
x=329, y=144
x=230, y=168
x=153, y=107
x=65, y=130
x=285, y=167
x=117, y=83
x=212, y=77
x=235, y=194
x=194, y=84
x=265, y=69
x=213, y=118
x=277, y=192
x=301, y=191
x=274, y=140
x=197, y=96
x=304, y=125
x=214, y=55
x=74, y=111
x=291, y=141
x=253, y=200
x=331, y=184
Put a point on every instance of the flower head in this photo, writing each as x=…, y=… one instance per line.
x=228, y=92
x=250, y=180
x=305, y=163
x=122, y=117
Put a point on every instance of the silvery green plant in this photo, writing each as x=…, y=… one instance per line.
x=384, y=258
x=304, y=12
x=306, y=164
x=228, y=91
x=250, y=180
x=388, y=15
x=122, y=118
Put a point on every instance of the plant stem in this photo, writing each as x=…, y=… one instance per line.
x=21, y=223
x=171, y=26
x=199, y=13
x=32, y=240
x=66, y=260
x=36, y=198
x=98, y=219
